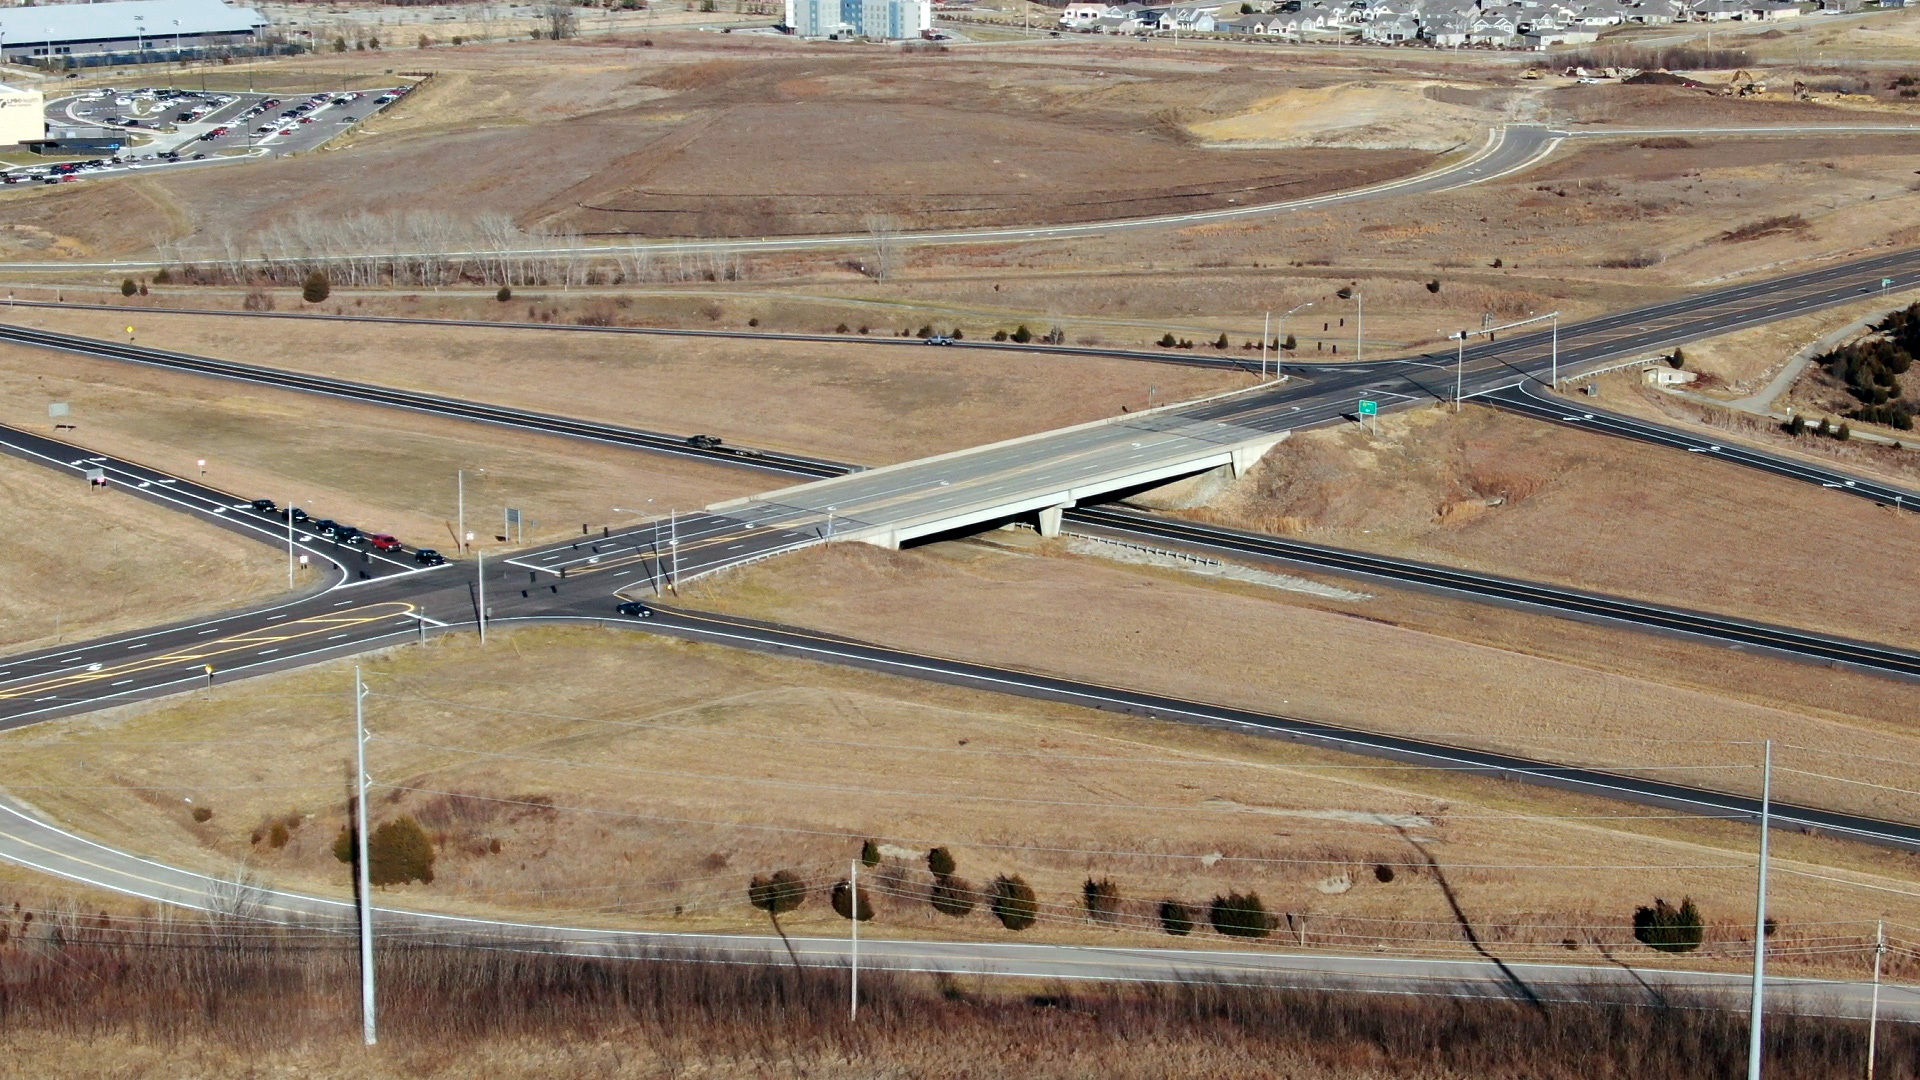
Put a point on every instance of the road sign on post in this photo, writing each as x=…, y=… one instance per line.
x=1370, y=409
x=96, y=478
x=514, y=526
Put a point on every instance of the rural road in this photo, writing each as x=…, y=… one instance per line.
x=1508, y=149
x=29, y=840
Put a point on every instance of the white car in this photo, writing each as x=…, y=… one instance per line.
x=123, y=100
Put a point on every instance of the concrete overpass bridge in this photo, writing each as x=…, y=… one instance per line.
x=1042, y=474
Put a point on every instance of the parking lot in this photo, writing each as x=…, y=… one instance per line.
x=170, y=129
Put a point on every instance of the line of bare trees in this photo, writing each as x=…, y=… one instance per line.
x=433, y=248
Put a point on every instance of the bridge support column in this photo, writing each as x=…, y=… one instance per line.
x=887, y=540
x=1246, y=457
x=1050, y=519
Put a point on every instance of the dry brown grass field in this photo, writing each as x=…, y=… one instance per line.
x=863, y=402
x=1468, y=674
x=611, y=778
x=79, y=563
x=1492, y=491
x=380, y=469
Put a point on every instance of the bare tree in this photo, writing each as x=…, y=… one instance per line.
x=882, y=227
x=562, y=22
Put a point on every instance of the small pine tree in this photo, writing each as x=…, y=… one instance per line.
x=1383, y=873
x=163, y=276
x=278, y=836
x=1237, y=915
x=1667, y=928
x=1022, y=334
x=127, y=287
x=940, y=862
x=1797, y=425
x=1167, y=341
x=870, y=854
x=999, y=335
x=952, y=896
x=957, y=335
x=1844, y=433
x=1678, y=359
x=1433, y=286
x=842, y=899
x=202, y=814
x=1290, y=344
x=399, y=852
x=1176, y=918
x=1013, y=902
x=777, y=895
x=505, y=294
x=843, y=328
x=1221, y=342
x=1102, y=900
x=1825, y=428
x=317, y=288
x=1345, y=292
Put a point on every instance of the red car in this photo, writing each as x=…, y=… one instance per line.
x=383, y=542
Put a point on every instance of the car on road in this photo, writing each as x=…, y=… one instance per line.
x=383, y=542
x=326, y=527
x=295, y=515
x=704, y=442
x=347, y=534
x=635, y=609
x=265, y=506
x=429, y=557
x=939, y=339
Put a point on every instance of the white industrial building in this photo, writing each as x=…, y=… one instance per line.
x=54, y=33
x=23, y=116
x=887, y=20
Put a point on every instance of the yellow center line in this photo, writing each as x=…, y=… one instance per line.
x=205, y=651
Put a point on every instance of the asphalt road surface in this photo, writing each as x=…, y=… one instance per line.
x=1530, y=399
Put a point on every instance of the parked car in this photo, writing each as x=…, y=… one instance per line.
x=347, y=534
x=265, y=506
x=295, y=514
x=383, y=542
x=326, y=527
x=635, y=609
x=429, y=557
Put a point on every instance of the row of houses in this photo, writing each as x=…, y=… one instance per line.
x=1445, y=23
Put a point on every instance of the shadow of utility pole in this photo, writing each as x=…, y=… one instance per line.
x=1466, y=925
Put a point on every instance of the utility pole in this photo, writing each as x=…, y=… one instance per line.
x=364, y=886
x=460, y=505
x=289, y=543
x=482, y=553
x=1760, y=920
x=673, y=550
x=1873, y=1017
x=853, y=906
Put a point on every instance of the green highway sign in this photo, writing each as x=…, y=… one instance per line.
x=1369, y=408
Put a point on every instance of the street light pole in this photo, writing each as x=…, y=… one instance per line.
x=460, y=505
x=1760, y=920
x=1459, y=367
x=1283, y=332
x=482, y=553
x=1360, y=326
x=1556, y=352
x=289, y=543
x=1266, y=325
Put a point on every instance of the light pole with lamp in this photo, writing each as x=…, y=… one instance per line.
x=1283, y=332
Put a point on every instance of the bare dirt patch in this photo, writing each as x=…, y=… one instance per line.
x=79, y=563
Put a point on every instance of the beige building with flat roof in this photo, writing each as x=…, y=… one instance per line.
x=23, y=115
